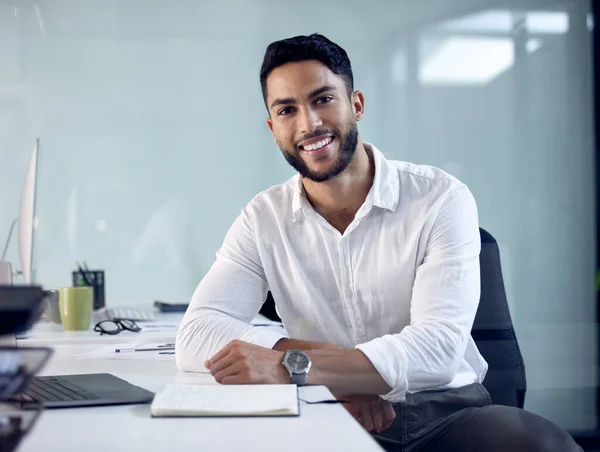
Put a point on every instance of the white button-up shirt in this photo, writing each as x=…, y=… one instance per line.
x=401, y=283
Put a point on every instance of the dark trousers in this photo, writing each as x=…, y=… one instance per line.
x=465, y=420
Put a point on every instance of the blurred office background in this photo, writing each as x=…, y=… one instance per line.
x=153, y=137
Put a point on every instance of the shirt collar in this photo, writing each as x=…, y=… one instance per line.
x=299, y=198
x=386, y=183
x=384, y=193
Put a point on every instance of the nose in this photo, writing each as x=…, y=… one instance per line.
x=309, y=120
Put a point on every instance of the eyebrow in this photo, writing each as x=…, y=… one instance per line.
x=291, y=100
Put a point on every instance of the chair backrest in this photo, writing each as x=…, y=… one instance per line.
x=268, y=308
x=493, y=331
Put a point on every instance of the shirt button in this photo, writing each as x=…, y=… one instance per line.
x=349, y=293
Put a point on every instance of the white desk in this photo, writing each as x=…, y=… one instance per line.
x=49, y=334
x=130, y=428
x=45, y=333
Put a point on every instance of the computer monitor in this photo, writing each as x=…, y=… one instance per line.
x=27, y=217
x=26, y=223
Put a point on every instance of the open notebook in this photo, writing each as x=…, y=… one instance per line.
x=226, y=400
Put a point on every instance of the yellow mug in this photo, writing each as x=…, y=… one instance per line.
x=76, y=305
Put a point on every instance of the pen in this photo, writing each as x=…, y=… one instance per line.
x=83, y=275
x=88, y=273
x=159, y=348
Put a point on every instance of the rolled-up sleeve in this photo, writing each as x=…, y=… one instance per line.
x=226, y=300
x=427, y=353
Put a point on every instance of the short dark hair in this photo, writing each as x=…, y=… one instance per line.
x=304, y=48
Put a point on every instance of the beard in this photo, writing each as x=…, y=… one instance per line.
x=347, y=147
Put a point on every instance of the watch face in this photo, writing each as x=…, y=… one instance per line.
x=297, y=362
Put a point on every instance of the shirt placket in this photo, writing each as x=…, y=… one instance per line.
x=348, y=291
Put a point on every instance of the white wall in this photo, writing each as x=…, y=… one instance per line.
x=153, y=137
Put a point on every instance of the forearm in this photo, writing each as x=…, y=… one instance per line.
x=293, y=344
x=345, y=371
x=204, y=333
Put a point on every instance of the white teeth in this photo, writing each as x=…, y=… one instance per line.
x=318, y=145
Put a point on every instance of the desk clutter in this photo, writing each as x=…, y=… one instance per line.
x=89, y=292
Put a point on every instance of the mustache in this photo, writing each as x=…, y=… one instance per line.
x=317, y=133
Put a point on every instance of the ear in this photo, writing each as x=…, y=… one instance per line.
x=270, y=123
x=358, y=105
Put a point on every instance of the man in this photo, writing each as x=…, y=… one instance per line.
x=374, y=268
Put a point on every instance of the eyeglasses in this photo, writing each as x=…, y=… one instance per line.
x=113, y=327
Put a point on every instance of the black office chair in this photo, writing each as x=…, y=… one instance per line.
x=268, y=308
x=493, y=331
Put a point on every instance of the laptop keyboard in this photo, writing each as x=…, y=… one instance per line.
x=56, y=389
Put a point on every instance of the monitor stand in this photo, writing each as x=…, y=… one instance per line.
x=8, y=340
x=6, y=270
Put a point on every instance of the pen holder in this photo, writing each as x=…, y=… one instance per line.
x=96, y=279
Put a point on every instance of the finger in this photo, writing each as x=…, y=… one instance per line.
x=376, y=414
x=232, y=369
x=234, y=379
x=219, y=355
x=221, y=364
x=365, y=415
x=389, y=414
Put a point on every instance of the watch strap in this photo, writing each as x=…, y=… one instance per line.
x=298, y=379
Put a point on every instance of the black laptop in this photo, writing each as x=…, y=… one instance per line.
x=66, y=391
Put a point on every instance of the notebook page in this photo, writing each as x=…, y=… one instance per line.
x=225, y=399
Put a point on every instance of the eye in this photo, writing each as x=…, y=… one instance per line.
x=285, y=111
x=324, y=99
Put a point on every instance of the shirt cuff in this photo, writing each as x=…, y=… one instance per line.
x=389, y=359
x=264, y=336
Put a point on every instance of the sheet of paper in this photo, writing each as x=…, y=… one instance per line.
x=109, y=352
x=154, y=327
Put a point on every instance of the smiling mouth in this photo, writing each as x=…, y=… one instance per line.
x=318, y=145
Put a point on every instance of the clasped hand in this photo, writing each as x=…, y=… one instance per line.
x=373, y=413
x=240, y=362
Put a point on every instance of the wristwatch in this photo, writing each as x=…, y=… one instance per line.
x=298, y=364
